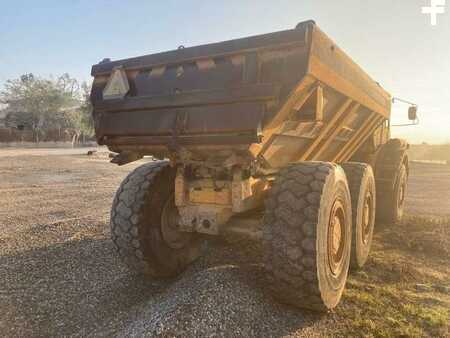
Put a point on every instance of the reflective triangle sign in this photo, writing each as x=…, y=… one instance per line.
x=117, y=86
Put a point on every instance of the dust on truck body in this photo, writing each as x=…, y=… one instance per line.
x=281, y=129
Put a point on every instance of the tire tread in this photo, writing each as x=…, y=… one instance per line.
x=290, y=234
x=126, y=212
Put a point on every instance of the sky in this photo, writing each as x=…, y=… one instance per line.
x=391, y=40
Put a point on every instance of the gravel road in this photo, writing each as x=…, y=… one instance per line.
x=60, y=275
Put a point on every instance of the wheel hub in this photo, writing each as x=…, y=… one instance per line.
x=367, y=217
x=401, y=194
x=170, y=220
x=336, y=237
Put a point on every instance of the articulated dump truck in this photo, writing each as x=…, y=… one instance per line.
x=282, y=130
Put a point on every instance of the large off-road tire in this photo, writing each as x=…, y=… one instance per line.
x=391, y=180
x=361, y=182
x=307, y=235
x=144, y=223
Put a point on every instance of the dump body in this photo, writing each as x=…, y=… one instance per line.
x=275, y=98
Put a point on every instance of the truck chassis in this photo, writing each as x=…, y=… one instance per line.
x=282, y=130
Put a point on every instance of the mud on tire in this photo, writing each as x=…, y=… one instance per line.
x=305, y=265
x=361, y=182
x=138, y=214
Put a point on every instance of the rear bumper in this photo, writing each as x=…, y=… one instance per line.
x=183, y=140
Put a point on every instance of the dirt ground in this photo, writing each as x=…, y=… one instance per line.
x=60, y=275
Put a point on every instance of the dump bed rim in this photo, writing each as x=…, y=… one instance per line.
x=297, y=36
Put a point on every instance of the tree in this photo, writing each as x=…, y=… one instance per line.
x=80, y=118
x=46, y=104
x=68, y=85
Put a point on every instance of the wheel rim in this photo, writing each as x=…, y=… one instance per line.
x=170, y=225
x=367, y=218
x=401, y=192
x=337, y=237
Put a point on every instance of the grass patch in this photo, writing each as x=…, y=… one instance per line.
x=384, y=299
x=432, y=317
x=420, y=234
x=389, y=311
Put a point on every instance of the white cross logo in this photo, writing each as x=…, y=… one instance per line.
x=436, y=7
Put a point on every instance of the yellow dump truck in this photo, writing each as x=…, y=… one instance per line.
x=283, y=130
